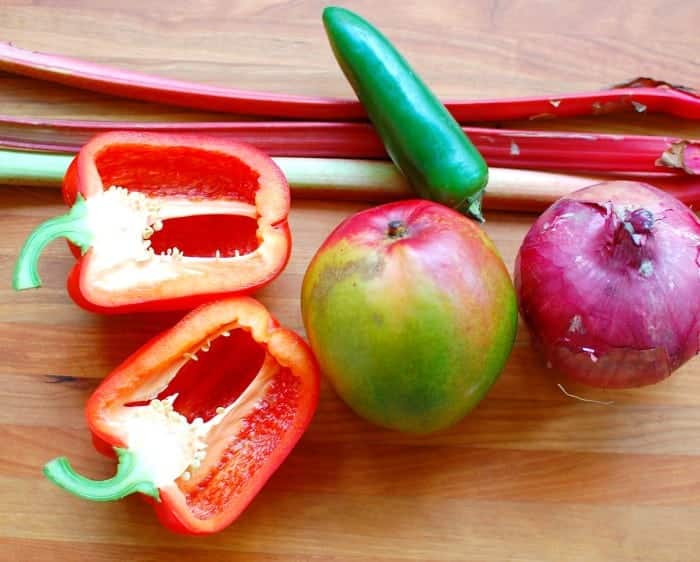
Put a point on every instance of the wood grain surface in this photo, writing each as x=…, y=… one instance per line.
x=531, y=475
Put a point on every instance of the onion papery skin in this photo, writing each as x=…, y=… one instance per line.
x=608, y=284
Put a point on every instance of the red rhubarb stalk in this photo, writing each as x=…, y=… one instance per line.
x=642, y=95
x=135, y=85
x=539, y=150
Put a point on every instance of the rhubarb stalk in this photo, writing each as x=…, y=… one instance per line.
x=367, y=180
x=535, y=150
x=640, y=96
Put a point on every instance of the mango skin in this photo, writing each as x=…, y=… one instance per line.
x=411, y=331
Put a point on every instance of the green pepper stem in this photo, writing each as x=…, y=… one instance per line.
x=472, y=208
x=73, y=226
x=128, y=479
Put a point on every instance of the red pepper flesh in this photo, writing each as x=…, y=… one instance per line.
x=169, y=221
x=200, y=432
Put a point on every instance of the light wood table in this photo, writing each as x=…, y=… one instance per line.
x=531, y=475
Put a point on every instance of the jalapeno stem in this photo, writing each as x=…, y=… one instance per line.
x=128, y=479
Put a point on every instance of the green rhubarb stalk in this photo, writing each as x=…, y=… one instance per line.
x=322, y=176
x=129, y=479
x=33, y=168
x=364, y=180
x=306, y=176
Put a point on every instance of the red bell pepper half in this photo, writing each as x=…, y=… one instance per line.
x=163, y=221
x=201, y=416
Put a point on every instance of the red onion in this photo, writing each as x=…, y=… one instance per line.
x=608, y=280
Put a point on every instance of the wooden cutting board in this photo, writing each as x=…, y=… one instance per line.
x=532, y=475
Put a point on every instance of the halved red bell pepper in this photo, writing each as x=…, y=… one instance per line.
x=164, y=221
x=201, y=416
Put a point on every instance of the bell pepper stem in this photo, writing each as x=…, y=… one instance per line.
x=73, y=226
x=128, y=479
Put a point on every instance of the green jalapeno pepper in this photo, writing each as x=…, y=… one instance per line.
x=422, y=138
